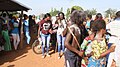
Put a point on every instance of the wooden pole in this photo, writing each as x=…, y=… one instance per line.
x=21, y=31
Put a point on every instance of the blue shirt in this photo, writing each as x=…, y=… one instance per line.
x=26, y=25
x=88, y=25
x=15, y=24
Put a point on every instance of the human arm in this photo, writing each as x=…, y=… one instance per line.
x=111, y=49
x=39, y=31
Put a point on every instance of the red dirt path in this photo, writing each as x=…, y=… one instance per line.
x=26, y=58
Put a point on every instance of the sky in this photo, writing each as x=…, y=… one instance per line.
x=44, y=6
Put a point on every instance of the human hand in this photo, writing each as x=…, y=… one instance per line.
x=38, y=36
x=86, y=60
x=50, y=31
x=80, y=53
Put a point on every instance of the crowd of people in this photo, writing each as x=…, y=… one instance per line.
x=10, y=30
x=82, y=40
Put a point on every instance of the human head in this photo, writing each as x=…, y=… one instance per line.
x=98, y=16
x=30, y=16
x=4, y=27
x=118, y=14
x=89, y=16
x=4, y=14
x=78, y=17
x=99, y=25
x=61, y=15
x=47, y=16
x=25, y=16
x=33, y=17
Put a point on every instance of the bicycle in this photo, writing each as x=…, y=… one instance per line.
x=37, y=46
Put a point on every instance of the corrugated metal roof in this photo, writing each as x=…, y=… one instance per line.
x=12, y=5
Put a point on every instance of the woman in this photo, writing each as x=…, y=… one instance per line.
x=60, y=37
x=44, y=31
x=15, y=32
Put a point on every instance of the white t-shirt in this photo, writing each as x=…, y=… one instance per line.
x=114, y=29
x=61, y=26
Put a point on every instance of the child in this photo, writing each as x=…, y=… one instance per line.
x=84, y=45
x=7, y=45
x=97, y=46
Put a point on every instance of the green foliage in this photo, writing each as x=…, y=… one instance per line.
x=68, y=13
x=91, y=12
x=54, y=11
x=61, y=10
x=73, y=7
x=110, y=12
x=77, y=7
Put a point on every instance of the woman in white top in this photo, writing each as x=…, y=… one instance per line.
x=60, y=37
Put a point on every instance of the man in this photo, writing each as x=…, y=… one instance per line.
x=26, y=28
x=73, y=39
x=113, y=28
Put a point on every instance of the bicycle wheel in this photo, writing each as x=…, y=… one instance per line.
x=36, y=47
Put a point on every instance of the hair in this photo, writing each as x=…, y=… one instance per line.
x=98, y=25
x=4, y=15
x=89, y=16
x=118, y=14
x=25, y=15
x=78, y=17
x=4, y=27
x=46, y=15
x=30, y=16
x=62, y=14
x=98, y=16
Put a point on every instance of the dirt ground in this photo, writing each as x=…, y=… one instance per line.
x=27, y=58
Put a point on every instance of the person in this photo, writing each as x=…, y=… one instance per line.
x=84, y=45
x=45, y=31
x=15, y=32
x=7, y=45
x=33, y=28
x=97, y=49
x=2, y=40
x=87, y=26
x=26, y=28
x=88, y=22
x=113, y=28
x=73, y=55
x=60, y=37
x=98, y=16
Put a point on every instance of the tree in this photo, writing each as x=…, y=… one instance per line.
x=73, y=7
x=110, y=12
x=51, y=12
x=68, y=13
x=61, y=10
x=54, y=12
x=91, y=12
x=77, y=7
